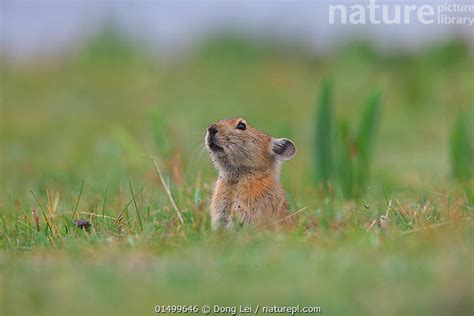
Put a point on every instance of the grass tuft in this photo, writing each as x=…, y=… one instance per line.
x=343, y=157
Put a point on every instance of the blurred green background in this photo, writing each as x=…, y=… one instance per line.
x=69, y=119
x=95, y=115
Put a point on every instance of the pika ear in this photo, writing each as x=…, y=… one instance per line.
x=283, y=148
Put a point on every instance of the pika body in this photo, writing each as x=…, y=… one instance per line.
x=248, y=189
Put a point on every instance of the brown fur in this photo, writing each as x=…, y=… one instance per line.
x=248, y=190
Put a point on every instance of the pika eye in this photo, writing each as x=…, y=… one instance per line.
x=241, y=126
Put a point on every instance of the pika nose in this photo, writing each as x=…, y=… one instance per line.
x=212, y=129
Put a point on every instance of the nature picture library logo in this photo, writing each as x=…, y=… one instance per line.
x=402, y=12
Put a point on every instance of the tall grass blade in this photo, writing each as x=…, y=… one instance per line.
x=78, y=200
x=365, y=138
x=323, y=139
x=168, y=191
x=345, y=165
x=104, y=201
x=462, y=149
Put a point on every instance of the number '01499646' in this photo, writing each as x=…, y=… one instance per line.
x=176, y=309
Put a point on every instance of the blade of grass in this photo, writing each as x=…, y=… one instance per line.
x=119, y=217
x=105, y=201
x=135, y=203
x=42, y=209
x=78, y=200
x=461, y=149
x=345, y=168
x=323, y=139
x=168, y=191
x=286, y=217
x=51, y=207
x=365, y=139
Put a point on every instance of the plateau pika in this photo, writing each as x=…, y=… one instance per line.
x=248, y=190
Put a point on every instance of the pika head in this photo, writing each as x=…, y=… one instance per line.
x=237, y=147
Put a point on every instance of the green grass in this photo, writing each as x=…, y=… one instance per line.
x=343, y=158
x=75, y=138
x=462, y=147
